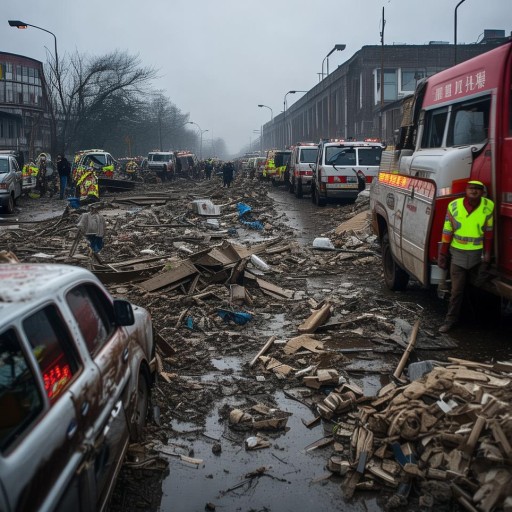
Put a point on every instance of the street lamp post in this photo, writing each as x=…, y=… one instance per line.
x=455, y=31
x=271, y=111
x=201, y=142
x=285, y=131
x=337, y=47
x=22, y=25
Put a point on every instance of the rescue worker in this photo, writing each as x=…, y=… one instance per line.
x=87, y=184
x=29, y=175
x=41, y=181
x=466, y=240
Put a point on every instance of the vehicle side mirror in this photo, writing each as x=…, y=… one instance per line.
x=123, y=312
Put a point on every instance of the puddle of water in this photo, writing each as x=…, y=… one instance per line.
x=227, y=363
x=292, y=469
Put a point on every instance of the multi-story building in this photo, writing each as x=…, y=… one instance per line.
x=24, y=113
x=349, y=102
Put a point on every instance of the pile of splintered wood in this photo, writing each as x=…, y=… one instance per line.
x=452, y=427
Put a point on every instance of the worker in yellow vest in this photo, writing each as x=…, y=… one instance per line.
x=466, y=240
x=269, y=168
x=87, y=182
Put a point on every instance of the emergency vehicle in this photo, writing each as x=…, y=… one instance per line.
x=343, y=168
x=300, y=168
x=275, y=165
x=459, y=129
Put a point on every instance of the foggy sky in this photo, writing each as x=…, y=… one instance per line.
x=218, y=59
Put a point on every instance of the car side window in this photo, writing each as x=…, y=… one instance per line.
x=20, y=397
x=94, y=315
x=53, y=348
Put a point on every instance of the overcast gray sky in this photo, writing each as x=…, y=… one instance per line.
x=219, y=59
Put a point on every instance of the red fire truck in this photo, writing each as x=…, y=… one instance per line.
x=460, y=129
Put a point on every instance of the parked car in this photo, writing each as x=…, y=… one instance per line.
x=10, y=182
x=75, y=374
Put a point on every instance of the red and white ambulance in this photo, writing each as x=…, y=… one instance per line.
x=460, y=130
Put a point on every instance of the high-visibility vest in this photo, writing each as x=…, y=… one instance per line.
x=108, y=170
x=467, y=231
x=88, y=183
x=29, y=170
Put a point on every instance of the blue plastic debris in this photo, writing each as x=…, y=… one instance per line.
x=74, y=202
x=243, y=209
x=189, y=322
x=239, y=317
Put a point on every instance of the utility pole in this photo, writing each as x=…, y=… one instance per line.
x=381, y=75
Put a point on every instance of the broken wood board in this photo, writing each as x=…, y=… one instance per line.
x=317, y=318
x=183, y=271
x=273, y=289
x=303, y=341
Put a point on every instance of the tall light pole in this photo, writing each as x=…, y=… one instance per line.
x=285, y=131
x=22, y=25
x=337, y=47
x=201, y=143
x=271, y=111
x=455, y=31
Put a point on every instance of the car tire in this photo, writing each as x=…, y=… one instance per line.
x=9, y=205
x=274, y=182
x=395, y=277
x=298, y=190
x=140, y=413
x=319, y=201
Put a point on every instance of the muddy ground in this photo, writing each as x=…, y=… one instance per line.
x=196, y=455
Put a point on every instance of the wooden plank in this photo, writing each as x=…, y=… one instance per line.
x=265, y=285
x=267, y=345
x=181, y=272
x=317, y=318
x=408, y=350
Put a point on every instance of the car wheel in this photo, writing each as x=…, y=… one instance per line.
x=319, y=201
x=140, y=413
x=274, y=182
x=298, y=190
x=9, y=206
x=395, y=277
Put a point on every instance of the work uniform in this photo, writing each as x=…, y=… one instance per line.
x=87, y=182
x=468, y=232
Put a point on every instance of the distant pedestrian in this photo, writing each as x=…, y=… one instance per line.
x=228, y=170
x=64, y=170
x=208, y=168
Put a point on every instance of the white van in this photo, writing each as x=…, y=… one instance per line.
x=300, y=171
x=344, y=168
x=163, y=163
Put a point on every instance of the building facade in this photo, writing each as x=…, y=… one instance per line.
x=24, y=113
x=349, y=102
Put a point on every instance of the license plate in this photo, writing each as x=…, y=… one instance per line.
x=341, y=185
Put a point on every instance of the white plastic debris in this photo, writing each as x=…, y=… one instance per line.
x=251, y=442
x=323, y=243
x=148, y=251
x=259, y=263
x=205, y=207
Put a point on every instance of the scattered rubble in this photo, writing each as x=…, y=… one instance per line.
x=443, y=438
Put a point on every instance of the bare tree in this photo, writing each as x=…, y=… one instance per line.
x=84, y=89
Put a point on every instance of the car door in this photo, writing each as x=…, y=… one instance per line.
x=108, y=347
x=42, y=458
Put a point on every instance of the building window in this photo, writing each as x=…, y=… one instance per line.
x=9, y=93
x=8, y=71
x=31, y=73
x=18, y=74
x=409, y=79
x=10, y=134
x=390, y=85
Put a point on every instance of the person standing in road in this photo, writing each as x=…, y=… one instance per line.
x=64, y=170
x=228, y=170
x=208, y=168
x=466, y=241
